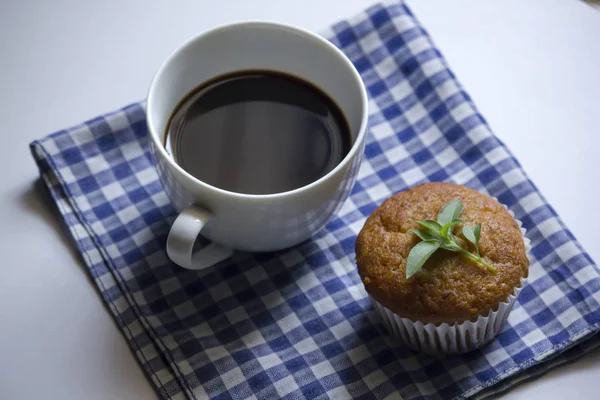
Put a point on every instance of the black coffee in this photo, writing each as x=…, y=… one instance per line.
x=258, y=132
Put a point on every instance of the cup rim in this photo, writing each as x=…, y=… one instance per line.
x=356, y=146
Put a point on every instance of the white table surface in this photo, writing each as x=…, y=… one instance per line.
x=532, y=67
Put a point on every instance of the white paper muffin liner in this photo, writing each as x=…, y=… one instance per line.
x=451, y=338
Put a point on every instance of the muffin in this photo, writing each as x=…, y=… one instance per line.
x=453, y=303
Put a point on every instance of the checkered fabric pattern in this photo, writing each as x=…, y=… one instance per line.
x=297, y=323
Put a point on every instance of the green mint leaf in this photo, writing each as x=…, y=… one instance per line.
x=423, y=234
x=469, y=234
x=430, y=224
x=450, y=247
x=426, y=234
x=450, y=235
x=447, y=229
x=472, y=234
x=477, y=232
x=450, y=212
x=439, y=234
x=418, y=255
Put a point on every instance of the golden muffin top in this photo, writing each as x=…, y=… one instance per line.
x=448, y=288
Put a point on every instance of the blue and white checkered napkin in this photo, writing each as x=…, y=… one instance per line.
x=298, y=323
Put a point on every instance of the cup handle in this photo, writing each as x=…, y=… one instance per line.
x=183, y=234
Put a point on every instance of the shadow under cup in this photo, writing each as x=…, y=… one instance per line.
x=258, y=222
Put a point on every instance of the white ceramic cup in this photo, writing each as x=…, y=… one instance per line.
x=252, y=222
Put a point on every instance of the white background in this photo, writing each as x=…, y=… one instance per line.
x=532, y=67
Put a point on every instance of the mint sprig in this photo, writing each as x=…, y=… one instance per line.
x=439, y=235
